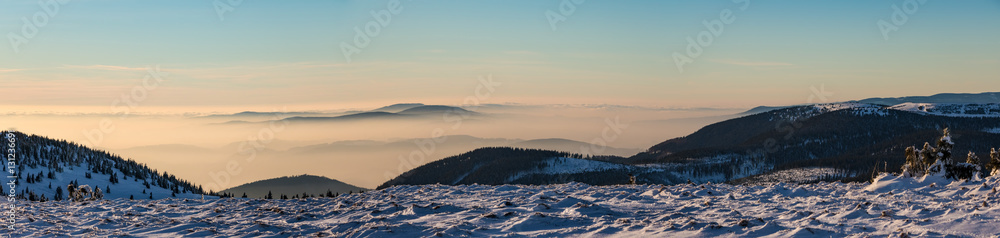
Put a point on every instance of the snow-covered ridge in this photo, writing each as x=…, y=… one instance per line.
x=858, y=109
x=805, y=112
x=564, y=210
x=864, y=109
x=951, y=109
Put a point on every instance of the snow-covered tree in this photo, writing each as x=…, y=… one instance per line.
x=97, y=194
x=927, y=155
x=972, y=158
x=994, y=165
x=938, y=160
x=913, y=167
x=944, y=146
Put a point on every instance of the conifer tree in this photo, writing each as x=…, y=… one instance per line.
x=994, y=165
x=913, y=166
x=944, y=146
x=972, y=158
x=59, y=194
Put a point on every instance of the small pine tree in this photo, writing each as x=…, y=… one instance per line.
x=972, y=158
x=944, y=146
x=59, y=194
x=329, y=193
x=244, y=195
x=150, y=196
x=71, y=189
x=994, y=165
x=131, y=197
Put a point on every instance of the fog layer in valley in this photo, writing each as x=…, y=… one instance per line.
x=225, y=150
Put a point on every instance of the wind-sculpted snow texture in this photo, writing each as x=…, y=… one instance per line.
x=928, y=207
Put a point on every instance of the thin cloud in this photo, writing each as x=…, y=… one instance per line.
x=753, y=63
x=104, y=67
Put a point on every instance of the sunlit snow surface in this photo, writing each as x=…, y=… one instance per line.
x=892, y=206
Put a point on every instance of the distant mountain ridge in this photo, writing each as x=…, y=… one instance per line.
x=942, y=98
x=961, y=98
x=405, y=111
x=293, y=185
x=397, y=107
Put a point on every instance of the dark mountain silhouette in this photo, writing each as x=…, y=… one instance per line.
x=435, y=109
x=294, y=185
x=415, y=112
x=504, y=165
x=397, y=107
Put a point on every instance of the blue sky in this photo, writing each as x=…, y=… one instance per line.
x=287, y=53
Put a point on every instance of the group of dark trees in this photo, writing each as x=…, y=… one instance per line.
x=939, y=159
x=55, y=156
x=328, y=194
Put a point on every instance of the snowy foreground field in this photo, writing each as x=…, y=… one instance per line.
x=890, y=207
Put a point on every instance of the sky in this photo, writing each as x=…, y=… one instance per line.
x=89, y=55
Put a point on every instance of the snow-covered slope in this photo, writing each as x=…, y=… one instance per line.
x=709, y=210
x=126, y=188
x=44, y=167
